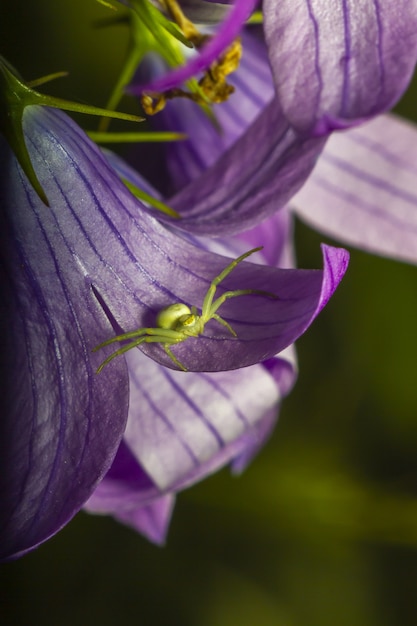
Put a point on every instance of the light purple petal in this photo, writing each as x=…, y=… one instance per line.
x=364, y=189
x=225, y=35
x=151, y=520
x=339, y=62
x=177, y=423
x=255, y=440
x=125, y=486
x=208, y=418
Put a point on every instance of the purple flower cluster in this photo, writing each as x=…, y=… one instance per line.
x=98, y=262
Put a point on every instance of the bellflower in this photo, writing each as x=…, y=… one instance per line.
x=96, y=262
x=323, y=69
x=332, y=65
x=269, y=142
x=90, y=264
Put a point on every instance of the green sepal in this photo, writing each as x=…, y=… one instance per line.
x=45, y=79
x=108, y=5
x=156, y=204
x=146, y=137
x=256, y=18
x=15, y=96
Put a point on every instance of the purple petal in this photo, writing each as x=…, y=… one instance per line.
x=275, y=234
x=364, y=189
x=61, y=424
x=264, y=326
x=151, y=520
x=232, y=181
x=139, y=267
x=255, y=440
x=254, y=178
x=125, y=486
x=335, y=64
x=225, y=35
x=128, y=494
x=179, y=423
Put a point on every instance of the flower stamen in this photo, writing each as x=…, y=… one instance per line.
x=213, y=87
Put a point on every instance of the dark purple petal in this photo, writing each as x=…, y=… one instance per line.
x=61, y=424
x=274, y=234
x=254, y=178
x=340, y=62
x=125, y=486
x=233, y=180
x=225, y=35
x=264, y=326
x=364, y=189
x=128, y=494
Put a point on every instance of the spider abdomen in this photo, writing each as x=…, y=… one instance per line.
x=173, y=316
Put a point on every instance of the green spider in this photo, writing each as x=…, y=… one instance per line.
x=177, y=322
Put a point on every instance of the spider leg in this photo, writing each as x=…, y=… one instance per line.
x=155, y=335
x=224, y=323
x=133, y=333
x=233, y=294
x=121, y=350
x=211, y=314
x=218, y=279
x=174, y=358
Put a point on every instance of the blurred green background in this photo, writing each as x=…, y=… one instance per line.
x=321, y=530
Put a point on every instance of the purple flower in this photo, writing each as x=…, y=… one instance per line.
x=95, y=263
x=333, y=66
x=226, y=182
x=357, y=186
